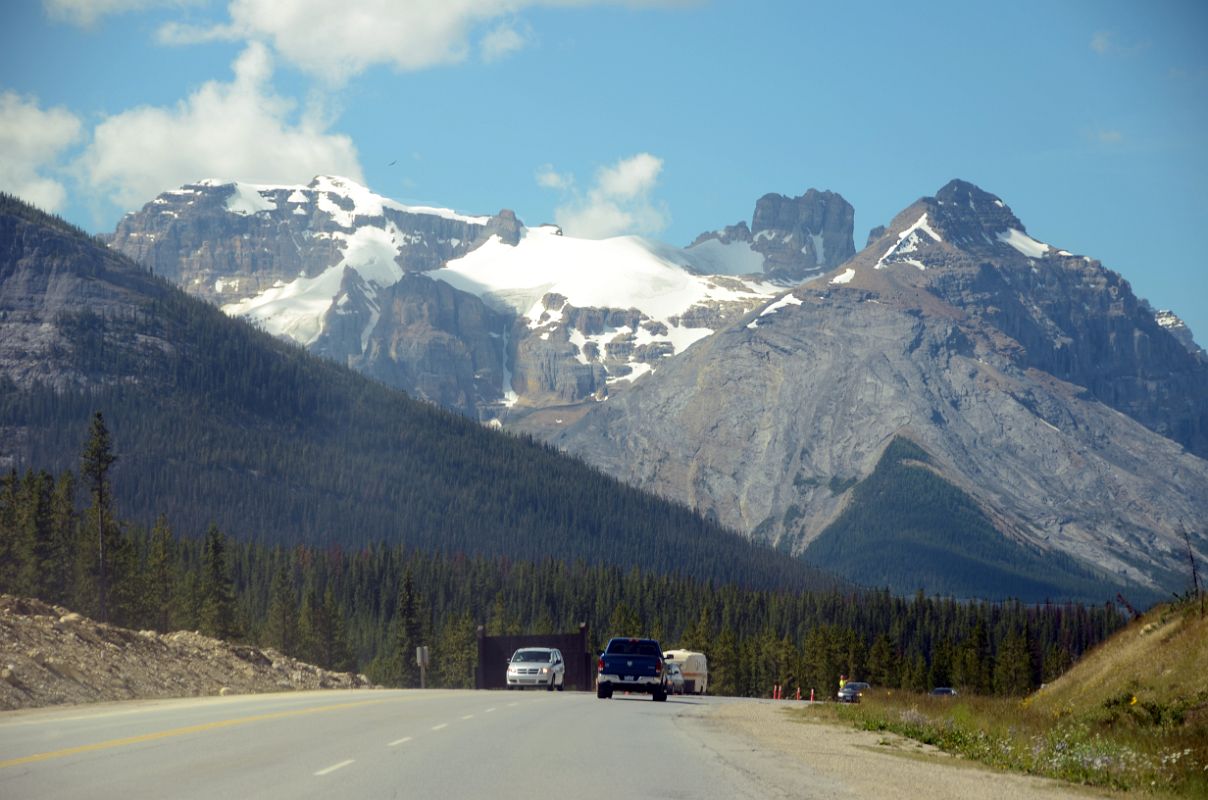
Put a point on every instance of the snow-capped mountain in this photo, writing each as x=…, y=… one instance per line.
x=766, y=375
x=1036, y=392
x=535, y=318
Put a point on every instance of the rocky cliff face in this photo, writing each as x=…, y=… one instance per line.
x=515, y=321
x=950, y=331
x=54, y=282
x=797, y=237
x=227, y=241
x=1067, y=315
x=1179, y=330
x=421, y=335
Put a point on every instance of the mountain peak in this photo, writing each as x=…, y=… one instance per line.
x=960, y=221
x=964, y=207
x=796, y=237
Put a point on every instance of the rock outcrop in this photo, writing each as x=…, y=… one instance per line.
x=423, y=336
x=52, y=656
x=798, y=237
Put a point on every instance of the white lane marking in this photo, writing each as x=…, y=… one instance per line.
x=512, y=704
x=438, y=727
x=397, y=742
x=488, y=711
x=468, y=716
x=333, y=768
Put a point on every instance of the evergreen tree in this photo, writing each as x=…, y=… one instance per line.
x=822, y=662
x=1057, y=660
x=699, y=636
x=64, y=535
x=940, y=672
x=281, y=630
x=161, y=575
x=624, y=622
x=973, y=667
x=456, y=653
x=914, y=673
x=97, y=460
x=310, y=628
x=10, y=549
x=404, y=671
x=34, y=544
x=332, y=636
x=1013, y=667
x=217, y=608
x=883, y=662
x=723, y=664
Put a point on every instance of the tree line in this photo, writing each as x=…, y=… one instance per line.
x=366, y=608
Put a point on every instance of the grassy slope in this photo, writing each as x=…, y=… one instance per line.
x=1132, y=714
x=1161, y=660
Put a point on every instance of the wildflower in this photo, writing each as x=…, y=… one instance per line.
x=1133, y=702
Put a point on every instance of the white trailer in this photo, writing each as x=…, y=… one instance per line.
x=695, y=668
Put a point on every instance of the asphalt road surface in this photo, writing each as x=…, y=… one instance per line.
x=367, y=744
x=461, y=744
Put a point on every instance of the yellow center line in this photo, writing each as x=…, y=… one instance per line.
x=205, y=726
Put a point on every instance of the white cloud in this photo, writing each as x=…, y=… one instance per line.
x=1109, y=136
x=239, y=130
x=548, y=178
x=30, y=141
x=630, y=177
x=85, y=13
x=335, y=41
x=1101, y=42
x=619, y=203
x=503, y=41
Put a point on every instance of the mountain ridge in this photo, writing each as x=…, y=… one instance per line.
x=753, y=425
x=215, y=422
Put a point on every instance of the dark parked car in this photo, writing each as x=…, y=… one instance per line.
x=943, y=691
x=852, y=691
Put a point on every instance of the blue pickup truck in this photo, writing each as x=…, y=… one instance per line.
x=631, y=665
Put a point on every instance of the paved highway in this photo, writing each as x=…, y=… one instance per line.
x=371, y=744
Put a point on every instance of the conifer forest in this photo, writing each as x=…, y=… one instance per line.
x=366, y=608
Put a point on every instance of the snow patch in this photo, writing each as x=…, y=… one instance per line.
x=248, y=199
x=784, y=302
x=622, y=272
x=711, y=257
x=296, y=309
x=908, y=241
x=846, y=277
x=819, y=248
x=1023, y=243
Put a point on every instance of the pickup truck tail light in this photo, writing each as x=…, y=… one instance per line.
x=600, y=665
x=658, y=667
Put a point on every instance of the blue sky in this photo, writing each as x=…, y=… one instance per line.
x=1090, y=119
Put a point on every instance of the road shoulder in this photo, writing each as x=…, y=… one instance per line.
x=792, y=755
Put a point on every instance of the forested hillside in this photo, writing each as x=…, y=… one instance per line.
x=214, y=422
x=366, y=608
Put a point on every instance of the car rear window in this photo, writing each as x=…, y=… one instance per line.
x=623, y=647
